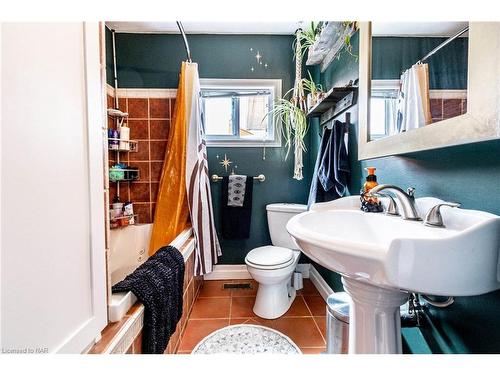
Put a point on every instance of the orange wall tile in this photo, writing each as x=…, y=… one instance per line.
x=149, y=122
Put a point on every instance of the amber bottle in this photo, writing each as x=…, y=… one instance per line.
x=371, y=182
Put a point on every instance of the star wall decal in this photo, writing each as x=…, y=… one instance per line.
x=258, y=56
x=225, y=162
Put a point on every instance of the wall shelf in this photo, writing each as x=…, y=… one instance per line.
x=329, y=44
x=115, y=221
x=336, y=100
x=132, y=145
x=128, y=175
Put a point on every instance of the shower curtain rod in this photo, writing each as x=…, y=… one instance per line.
x=186, y=44
x=447, y=41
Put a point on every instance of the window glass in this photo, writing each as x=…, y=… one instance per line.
x=218, y=116
x=253, y=121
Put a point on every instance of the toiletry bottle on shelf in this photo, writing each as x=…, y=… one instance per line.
x=128, y=211
x=110, y=140
x=116, y=212
x=370, y=203
x=114, y=143
x=124, y=137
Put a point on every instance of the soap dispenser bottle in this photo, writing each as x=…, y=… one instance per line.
x=370, y=203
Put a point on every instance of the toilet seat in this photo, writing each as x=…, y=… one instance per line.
x=269, y=257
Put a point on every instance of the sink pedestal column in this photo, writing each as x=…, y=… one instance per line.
x=374, y=322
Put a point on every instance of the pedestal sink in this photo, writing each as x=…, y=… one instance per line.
x=381, y=258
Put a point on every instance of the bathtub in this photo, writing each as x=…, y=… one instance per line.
x=128, y=250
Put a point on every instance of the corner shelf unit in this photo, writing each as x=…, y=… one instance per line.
x=119, y=175
x=132, y=145
x=336, y=101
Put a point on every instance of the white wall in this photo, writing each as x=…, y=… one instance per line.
x=53, y=259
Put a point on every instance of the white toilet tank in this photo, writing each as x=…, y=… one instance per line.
x=278, y=215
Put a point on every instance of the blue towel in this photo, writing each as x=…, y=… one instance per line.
x=331, y=172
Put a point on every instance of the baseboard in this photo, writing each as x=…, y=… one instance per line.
x=239, y=271
x=228, y=272
x=320, y=283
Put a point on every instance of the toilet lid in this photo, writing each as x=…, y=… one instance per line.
x=270, y=256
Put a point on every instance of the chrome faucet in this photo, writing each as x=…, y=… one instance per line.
x=406, y=200
x=434, y=218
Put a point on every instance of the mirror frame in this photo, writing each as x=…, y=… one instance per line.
x=480, y=123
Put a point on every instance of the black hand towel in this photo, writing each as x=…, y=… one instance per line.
x=331, y=172
x=235, y=221
x=158, y=284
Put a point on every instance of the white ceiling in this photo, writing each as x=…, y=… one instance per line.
x=417, y=28
x=286, y=28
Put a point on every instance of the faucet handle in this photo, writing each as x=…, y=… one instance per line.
x=410, y=191
x=434, y=218
x=392, y=208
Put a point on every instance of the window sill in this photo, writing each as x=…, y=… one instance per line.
x=243, y=144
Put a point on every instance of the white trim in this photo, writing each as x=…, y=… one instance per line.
x=181, y=240
x=239, y=271
x=448, y=94
x=110, y=90
x=127, y=334
x=234, y=143
x=79, y=340
x=320, y=283
x=385, y=84
x=142, y=93
x=96, y=135
x=228, y=272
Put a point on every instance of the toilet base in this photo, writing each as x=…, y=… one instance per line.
x=273, y=300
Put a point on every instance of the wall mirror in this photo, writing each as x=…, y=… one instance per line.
x=426, y=85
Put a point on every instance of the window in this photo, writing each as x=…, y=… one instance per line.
x=383, y=108
x=235, y=111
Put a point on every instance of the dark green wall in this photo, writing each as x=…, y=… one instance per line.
x=447, y=68
x=469, y=174
x=109, y=56
x=153, y=61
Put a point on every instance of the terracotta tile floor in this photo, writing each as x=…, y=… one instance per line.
x=214, y=308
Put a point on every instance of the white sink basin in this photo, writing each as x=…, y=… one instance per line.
x=392, y=254
x=459, y=260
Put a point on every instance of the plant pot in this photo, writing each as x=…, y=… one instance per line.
x=311, y=100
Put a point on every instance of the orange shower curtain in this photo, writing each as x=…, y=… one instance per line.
x=172, y=211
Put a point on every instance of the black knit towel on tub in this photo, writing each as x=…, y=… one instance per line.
x=158, y=284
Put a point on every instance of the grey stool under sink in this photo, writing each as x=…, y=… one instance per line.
x=337, y=323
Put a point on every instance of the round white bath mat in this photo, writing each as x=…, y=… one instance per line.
x=246, y=339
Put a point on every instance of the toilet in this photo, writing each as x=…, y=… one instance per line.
x=273, y=266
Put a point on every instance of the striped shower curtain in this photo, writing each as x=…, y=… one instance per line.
x=197, y=179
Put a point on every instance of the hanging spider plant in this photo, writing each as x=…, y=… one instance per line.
x=315, y=91
x=291, y=119
x=351, y=27
x=308, y=37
